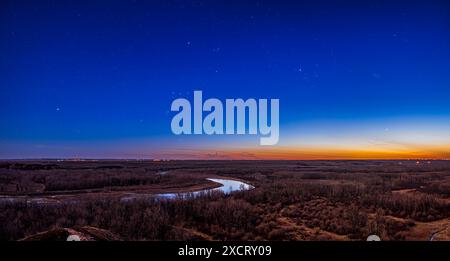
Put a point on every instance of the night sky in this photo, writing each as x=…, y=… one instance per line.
x=95, y=79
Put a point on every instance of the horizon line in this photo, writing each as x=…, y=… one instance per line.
x=158, y=160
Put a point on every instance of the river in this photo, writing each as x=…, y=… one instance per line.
x=228, y=186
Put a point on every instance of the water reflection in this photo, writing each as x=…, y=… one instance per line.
x=227, y=187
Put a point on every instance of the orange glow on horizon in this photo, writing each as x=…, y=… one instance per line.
x=321, y=153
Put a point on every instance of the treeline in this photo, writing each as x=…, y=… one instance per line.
x=66, y=180
x=343, y=209
x=221, y=217
x=291, y=201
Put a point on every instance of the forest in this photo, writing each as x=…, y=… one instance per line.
x=291, y=200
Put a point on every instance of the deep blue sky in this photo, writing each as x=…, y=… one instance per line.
x=75, y=74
